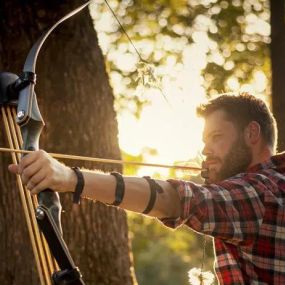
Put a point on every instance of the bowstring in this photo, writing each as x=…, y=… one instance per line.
x=125, y=32
x=143, y=61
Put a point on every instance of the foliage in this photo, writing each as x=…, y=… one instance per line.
x=241, y=33
x=133, y=169
x=163, y=256
x=234, y=35
x=160, y=31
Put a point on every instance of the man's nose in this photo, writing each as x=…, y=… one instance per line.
x=206, y=150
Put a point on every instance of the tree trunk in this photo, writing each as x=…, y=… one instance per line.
x=278, y=66
x=76, y=101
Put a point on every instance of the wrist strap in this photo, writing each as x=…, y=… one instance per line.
x=154, y=188
x=120, y=189
x=79, y=186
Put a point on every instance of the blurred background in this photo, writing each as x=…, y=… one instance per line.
x=122, y=80
x=198, y=49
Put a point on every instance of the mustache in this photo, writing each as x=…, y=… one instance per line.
x=210, y=159
x=205, y=172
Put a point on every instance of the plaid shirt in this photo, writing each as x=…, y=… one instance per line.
x=246, y=216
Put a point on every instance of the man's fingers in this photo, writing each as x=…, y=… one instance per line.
x=39, y=171
x=31, y=171
x=26, y=161
x=14, y=168
x=36, y=179
x=39, y=187
x=31, y=158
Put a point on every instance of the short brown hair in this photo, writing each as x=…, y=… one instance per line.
x=241, y=109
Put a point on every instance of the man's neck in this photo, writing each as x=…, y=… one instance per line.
x=260, y=155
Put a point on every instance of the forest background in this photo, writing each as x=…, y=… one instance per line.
x=198, y=48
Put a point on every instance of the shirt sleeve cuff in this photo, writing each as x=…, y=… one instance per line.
x=185, y=194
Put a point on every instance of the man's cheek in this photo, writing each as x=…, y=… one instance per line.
x=222, y=147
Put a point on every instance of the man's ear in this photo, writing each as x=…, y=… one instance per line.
x=252, y=132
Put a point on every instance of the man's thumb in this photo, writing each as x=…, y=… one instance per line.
x=13, y=168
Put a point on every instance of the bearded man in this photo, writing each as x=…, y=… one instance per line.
x=241, y=204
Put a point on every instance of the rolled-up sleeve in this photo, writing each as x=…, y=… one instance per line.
x=232, y=210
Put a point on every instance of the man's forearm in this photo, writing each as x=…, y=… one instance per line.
x=39, y=171
x=102, y=187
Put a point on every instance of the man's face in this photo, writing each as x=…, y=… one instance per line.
x=226, y=151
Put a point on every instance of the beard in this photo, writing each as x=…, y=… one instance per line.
x=236, y=161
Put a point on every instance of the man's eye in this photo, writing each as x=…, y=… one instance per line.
x=216, y=137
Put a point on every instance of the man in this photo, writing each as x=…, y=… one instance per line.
x=241, y=205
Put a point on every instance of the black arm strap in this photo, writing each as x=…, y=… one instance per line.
x=154, y=189
x=120, y=189
x=79, y=186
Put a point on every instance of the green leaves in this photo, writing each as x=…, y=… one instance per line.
x=163, y=256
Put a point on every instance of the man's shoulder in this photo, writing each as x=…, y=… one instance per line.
x=274, y=162
x=278, y=160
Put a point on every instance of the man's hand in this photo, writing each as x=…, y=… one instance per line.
x=39, y=171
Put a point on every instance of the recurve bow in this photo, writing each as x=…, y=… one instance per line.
x=19, y=90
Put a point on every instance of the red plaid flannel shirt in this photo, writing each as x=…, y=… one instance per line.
x=246, y=216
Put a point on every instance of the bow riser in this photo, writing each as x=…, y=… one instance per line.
x=31, y=124
x=21, y=90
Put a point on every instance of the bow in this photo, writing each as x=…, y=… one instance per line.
x=20, y=91
x=29, y=119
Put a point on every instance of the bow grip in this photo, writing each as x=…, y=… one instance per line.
x=51, y=201
x=31, y=122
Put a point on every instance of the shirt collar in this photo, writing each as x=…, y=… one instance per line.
x=275, y=161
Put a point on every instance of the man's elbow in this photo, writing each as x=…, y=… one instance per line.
x=167, y=204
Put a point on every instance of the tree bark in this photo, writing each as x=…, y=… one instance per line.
x=76, y=101
x=277, y=48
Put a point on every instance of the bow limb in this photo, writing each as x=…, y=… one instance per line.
x=29, y=119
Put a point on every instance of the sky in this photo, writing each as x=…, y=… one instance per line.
x=168, y=125
x=171, y=127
